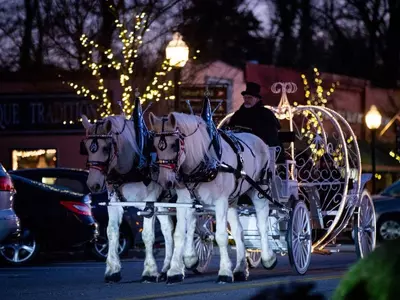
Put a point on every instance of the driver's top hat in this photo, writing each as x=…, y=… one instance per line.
x=252, y=89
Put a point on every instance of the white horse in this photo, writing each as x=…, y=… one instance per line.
x=112, y=148
x=182, y=143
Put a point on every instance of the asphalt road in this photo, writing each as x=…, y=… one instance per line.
x=84, y=280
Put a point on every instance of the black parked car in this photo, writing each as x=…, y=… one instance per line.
x=9, y=223
x=50, y=218
x=75, y=180
x=387, y=211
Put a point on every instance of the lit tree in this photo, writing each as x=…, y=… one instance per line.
x=123, y=61
x=318, y=97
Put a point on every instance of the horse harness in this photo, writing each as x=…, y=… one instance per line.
x=208, y=168
x=112, y=176
x=101, y=166
x=178, y=146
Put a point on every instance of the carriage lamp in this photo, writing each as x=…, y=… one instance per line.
x=373, y=120
x=177, y=53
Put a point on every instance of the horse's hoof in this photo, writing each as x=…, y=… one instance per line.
x=149, y=279
x=174, y=279
x=239, y=276
x=224, y=279
x=194, y=267
x=115, y=277
x=272, y=266
x=162, y=277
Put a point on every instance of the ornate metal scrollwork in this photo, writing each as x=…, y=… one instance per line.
x=284, y=87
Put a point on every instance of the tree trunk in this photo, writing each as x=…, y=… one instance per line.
x=25, y=60
x=107, y=28
x=40, y=26
x=305, y=35
x=287, y=10
x=392, y=52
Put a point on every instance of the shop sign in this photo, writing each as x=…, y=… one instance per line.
x=44, y=112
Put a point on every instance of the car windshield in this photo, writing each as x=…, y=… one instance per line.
x=393, y=190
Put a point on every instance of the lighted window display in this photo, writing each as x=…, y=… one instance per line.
x=40, y=158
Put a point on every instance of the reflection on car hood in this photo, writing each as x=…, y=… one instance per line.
x=382, y=198
x=25, y=182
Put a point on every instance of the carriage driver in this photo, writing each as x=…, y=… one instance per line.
x=256, y=118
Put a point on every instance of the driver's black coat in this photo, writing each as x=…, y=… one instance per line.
x=260, y=120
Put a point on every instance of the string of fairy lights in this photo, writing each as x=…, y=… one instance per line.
x=159, y=84
x=122, y=62
x=130, y=41
x=312, y=127
x=394, y=155
x=320, y=98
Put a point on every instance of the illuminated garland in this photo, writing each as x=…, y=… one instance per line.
x=16, y=155
x=318, y=98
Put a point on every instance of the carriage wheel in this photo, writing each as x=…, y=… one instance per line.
x=365, y=226
x=299, y=237
x=203, y=243
x=253, y=258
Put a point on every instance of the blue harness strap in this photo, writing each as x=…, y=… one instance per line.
x=206, y=115
x=142, y=134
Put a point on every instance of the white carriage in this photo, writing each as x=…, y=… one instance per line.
x=310, y=206
x=325, y=202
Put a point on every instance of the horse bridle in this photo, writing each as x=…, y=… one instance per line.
x=178, y=146
x=102, y=166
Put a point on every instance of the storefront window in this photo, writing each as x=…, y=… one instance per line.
x=37, y=158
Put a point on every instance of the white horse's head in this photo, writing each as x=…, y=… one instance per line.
x=181, y=142
x=109, y=144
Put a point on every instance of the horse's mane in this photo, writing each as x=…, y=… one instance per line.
x=127, y=134
x=196, y=145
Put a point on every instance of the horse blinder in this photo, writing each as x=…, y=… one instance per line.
x=83, y=150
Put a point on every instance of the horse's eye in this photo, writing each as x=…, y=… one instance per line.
x=107, y=149
x=175, y=146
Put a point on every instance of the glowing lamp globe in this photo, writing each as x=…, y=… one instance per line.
x=177, y=52
x=373, y=119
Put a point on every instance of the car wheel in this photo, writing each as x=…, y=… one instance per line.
x=99, y=248
x=389, y=229
x=20, y=251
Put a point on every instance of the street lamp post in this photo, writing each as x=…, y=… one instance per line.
x=177, y=52
x=373, y=119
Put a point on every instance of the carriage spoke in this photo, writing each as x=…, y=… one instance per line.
x=203, y=245
x=300, y=233
x=366, y=226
